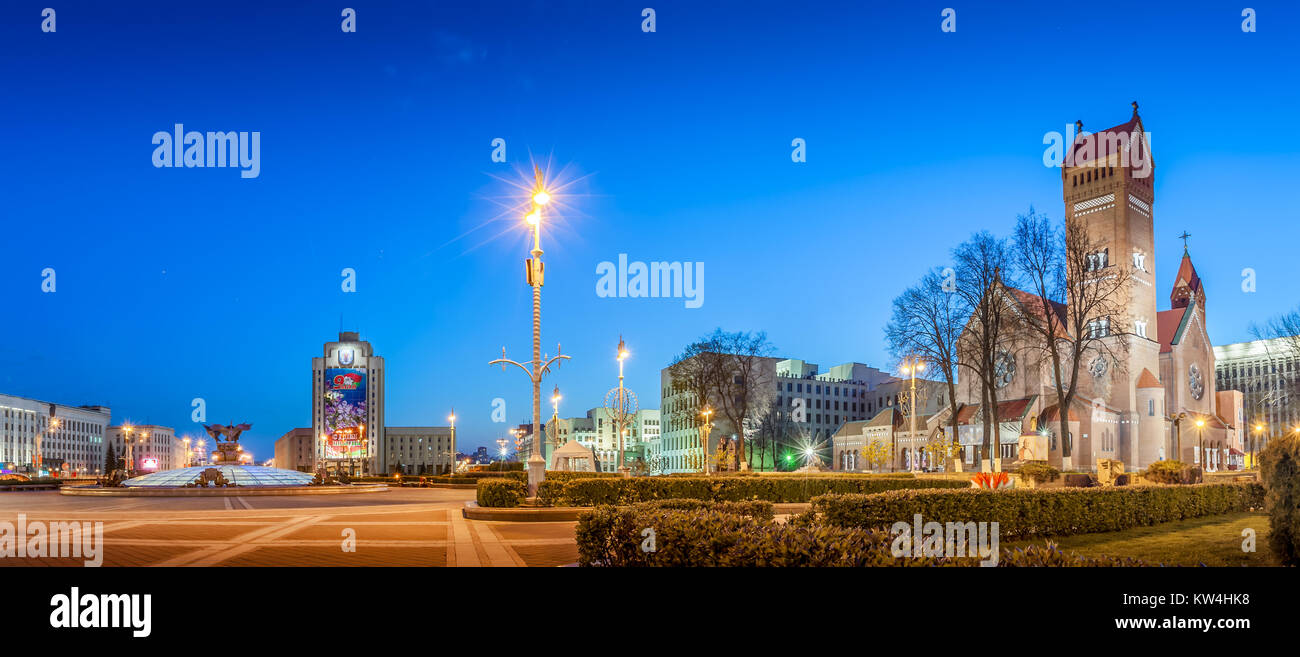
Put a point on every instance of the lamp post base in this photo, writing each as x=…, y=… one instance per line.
x=536, y=473
x=625, y=471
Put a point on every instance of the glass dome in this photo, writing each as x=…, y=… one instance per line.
x=240, y=475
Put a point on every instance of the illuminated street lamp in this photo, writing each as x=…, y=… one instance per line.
x=1259, y=430
x=451, y=458
x=912, y=367
x=186, y=440
x=534, y=275
x=554, y=431
x=621, y=404
x=705, y=427
x=1200, y=441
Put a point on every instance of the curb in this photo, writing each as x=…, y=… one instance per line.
x=233, y=491
x=473, y=511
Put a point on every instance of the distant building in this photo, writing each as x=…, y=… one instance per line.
x=418, y=450
x=153, y=447
x=296, y=450
x=1267, y=373
x=596, y=431
x=348, y=406
x=809, y=403
x=73, y=445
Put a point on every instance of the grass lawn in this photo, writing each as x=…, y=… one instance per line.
x=1213, y=541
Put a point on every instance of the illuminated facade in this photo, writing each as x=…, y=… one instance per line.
x=75, y=444
x=348, y=406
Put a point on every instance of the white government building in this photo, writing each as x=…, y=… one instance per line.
x=75, y=445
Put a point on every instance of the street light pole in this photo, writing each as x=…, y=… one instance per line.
x=912, y=367
x=451, y=459
x=535, y=276
x=620, y=417
x=704, y=440
x=1200, y=443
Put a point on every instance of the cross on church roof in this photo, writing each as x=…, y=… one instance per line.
x=1184, y=237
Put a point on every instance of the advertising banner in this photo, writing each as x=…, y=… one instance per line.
x=346, y=434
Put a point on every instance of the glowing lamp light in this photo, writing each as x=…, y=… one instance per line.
x=1200, y=423
x=533, y=218
x=541, y=198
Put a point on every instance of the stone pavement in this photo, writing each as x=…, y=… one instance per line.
x=402, y=527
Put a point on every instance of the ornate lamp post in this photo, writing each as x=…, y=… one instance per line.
x=130, y=463
x=621, y=404
x=1259, y=431
x=705, y=427
x=40, y=456
x=1200, y=442
x=554, y=430
x=535, y=275
x=911, y=367
x=451, y=455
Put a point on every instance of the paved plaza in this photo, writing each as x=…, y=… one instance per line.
x=401, y=527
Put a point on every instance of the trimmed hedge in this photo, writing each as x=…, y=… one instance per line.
x=712, y=536
x=501, y=492
x=1027, y=513
x=1172, y=472
x=597, y=491
x=1280, y=472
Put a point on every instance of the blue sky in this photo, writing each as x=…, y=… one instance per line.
x=376, y=149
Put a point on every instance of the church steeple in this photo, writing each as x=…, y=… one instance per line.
x=1187, y=285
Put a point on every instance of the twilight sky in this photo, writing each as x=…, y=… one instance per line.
x=177, y=283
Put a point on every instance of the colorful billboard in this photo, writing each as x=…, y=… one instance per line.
x=346, y=433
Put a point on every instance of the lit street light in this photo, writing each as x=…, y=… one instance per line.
x=705, y=427
x=535, y=275
x=912, y=367
x=451, y=458
x=1200, y=442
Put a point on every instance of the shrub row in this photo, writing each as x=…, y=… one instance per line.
x=714, y=535
x=1024, y=513
x=593, y=492
x=501, y=492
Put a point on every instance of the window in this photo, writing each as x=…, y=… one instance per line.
x=1151, y=407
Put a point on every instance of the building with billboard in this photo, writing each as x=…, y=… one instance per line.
x=38, y=436
x=348, y=406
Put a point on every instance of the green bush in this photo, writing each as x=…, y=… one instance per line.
x=501, y=492
x=1280, y=472
x=594, y=492
x=1172, y=472
x=1025, y=513
x=1038, y=471
x=504, y=466
x=709, y=536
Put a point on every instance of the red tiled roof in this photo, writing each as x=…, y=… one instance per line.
x=1053, y=414
x=1167, y=323
x=1097, y=145
x=1149, y=380
x=1033, y=305
x=1011, y=409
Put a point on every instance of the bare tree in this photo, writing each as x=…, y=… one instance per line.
x=694, y=372
x=926, y=323
x=727, y=369
x=981, y=262
x=1283, y=334
x=742, y=388
x=1074, y=304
